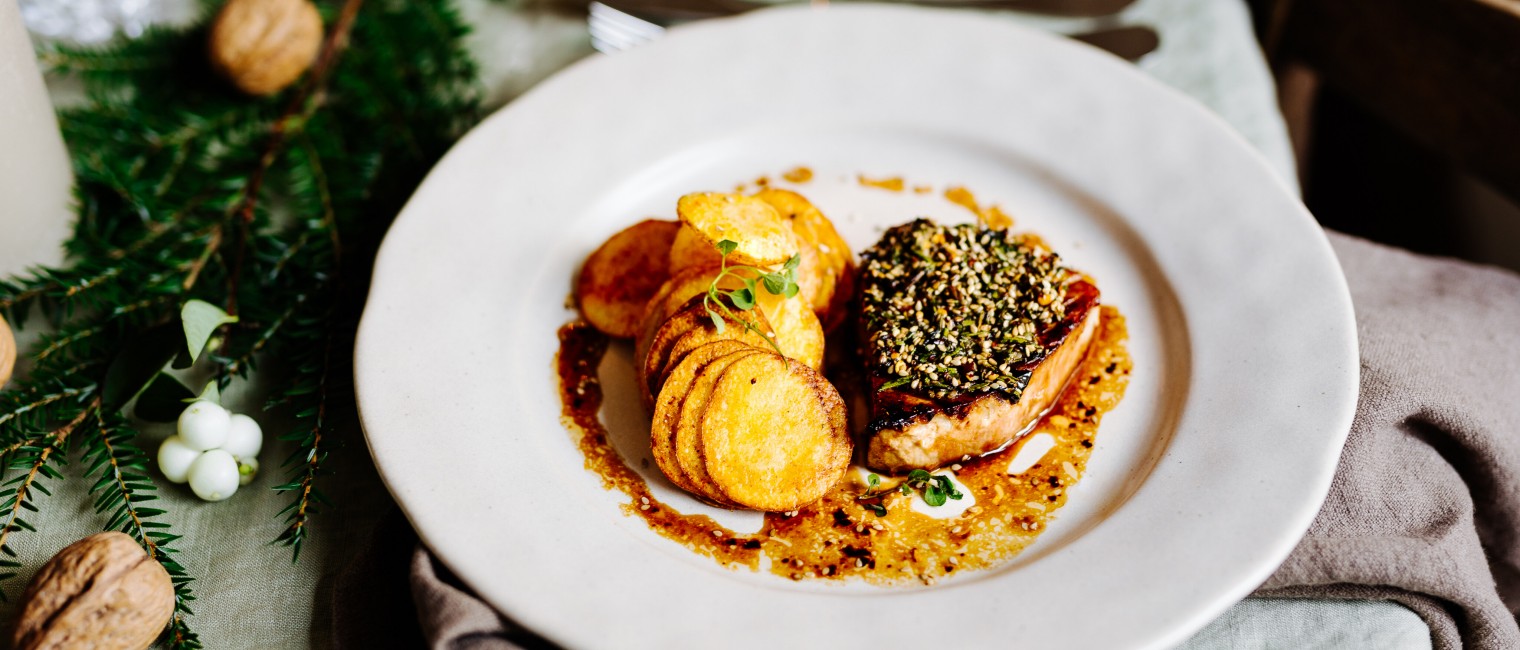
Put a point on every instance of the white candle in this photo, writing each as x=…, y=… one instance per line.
x=35, y=177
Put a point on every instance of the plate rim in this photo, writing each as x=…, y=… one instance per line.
x=1340, y=421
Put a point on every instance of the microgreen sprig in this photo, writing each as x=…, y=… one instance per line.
x=936, y=489
x=779, y=283
x=872, y=499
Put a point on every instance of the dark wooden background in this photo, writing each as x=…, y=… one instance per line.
x=1405, y=116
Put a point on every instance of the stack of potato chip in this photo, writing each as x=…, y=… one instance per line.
x=735, y=423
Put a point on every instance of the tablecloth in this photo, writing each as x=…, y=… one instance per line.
x=250, y=595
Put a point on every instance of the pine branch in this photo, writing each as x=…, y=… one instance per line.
x=35, y=458
x=272, y=206
x=316, y=80
x=122, y=484
x=313, y=387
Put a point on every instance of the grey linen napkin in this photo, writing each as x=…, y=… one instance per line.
x=1424, y=509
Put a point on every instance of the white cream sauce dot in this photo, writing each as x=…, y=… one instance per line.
x=1030, y=452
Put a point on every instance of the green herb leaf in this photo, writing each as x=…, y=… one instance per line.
x=948, y=487
x=717, y=320
x=743, y=298
x=934, y=496
x=727, y=246
x=894, y=383
x=875, y=508
x=200, y=320
x=773, y=284
x=919, y=476
x=791, y=290
x=791, y=264
x=873, y=480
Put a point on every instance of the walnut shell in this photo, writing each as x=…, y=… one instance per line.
x=261, y=46
x=101, y=592
x=7, y=352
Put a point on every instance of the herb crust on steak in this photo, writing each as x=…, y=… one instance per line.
x=955, y=321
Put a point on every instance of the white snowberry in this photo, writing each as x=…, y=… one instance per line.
x=248, y=468
x=204, y=425
x=174, y=459
x=244, y=437
x=214, y=476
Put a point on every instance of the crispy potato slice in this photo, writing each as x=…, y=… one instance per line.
x=835, y=263
x=763, y=238
x=691, y=316
x=619, y=278
x=667, y=406
x=773, y=434
x=674, y=293
x=690, y=250
x=702, y=336
x=799, y=333
x=688, y=428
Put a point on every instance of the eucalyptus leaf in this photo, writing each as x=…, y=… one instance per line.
x=211, y=393
x=200, y=320
x=162, y=400
x=140, y=359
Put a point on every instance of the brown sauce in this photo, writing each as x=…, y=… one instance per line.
x=992, y=215
x=838, y=538
x=893, y=184
x=798, y=175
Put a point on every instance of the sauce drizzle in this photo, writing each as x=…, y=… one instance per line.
x=837, y=538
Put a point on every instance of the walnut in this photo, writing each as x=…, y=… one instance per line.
x=7, y=352
x=100, y=592
x=261, y=46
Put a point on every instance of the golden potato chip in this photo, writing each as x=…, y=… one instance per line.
x=688, y=427
x=691, y=316
x=667, y=406
x=835, y=263
x=762, y=238
x=619, y=278
x=702, y=336
x=798, y=331
x=773, y=434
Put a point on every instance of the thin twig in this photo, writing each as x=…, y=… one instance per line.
x=337, y=39
x=44, y=401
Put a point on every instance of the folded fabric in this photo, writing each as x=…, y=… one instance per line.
x=1425, y=506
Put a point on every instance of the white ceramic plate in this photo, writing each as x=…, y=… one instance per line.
x=1202, y=480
